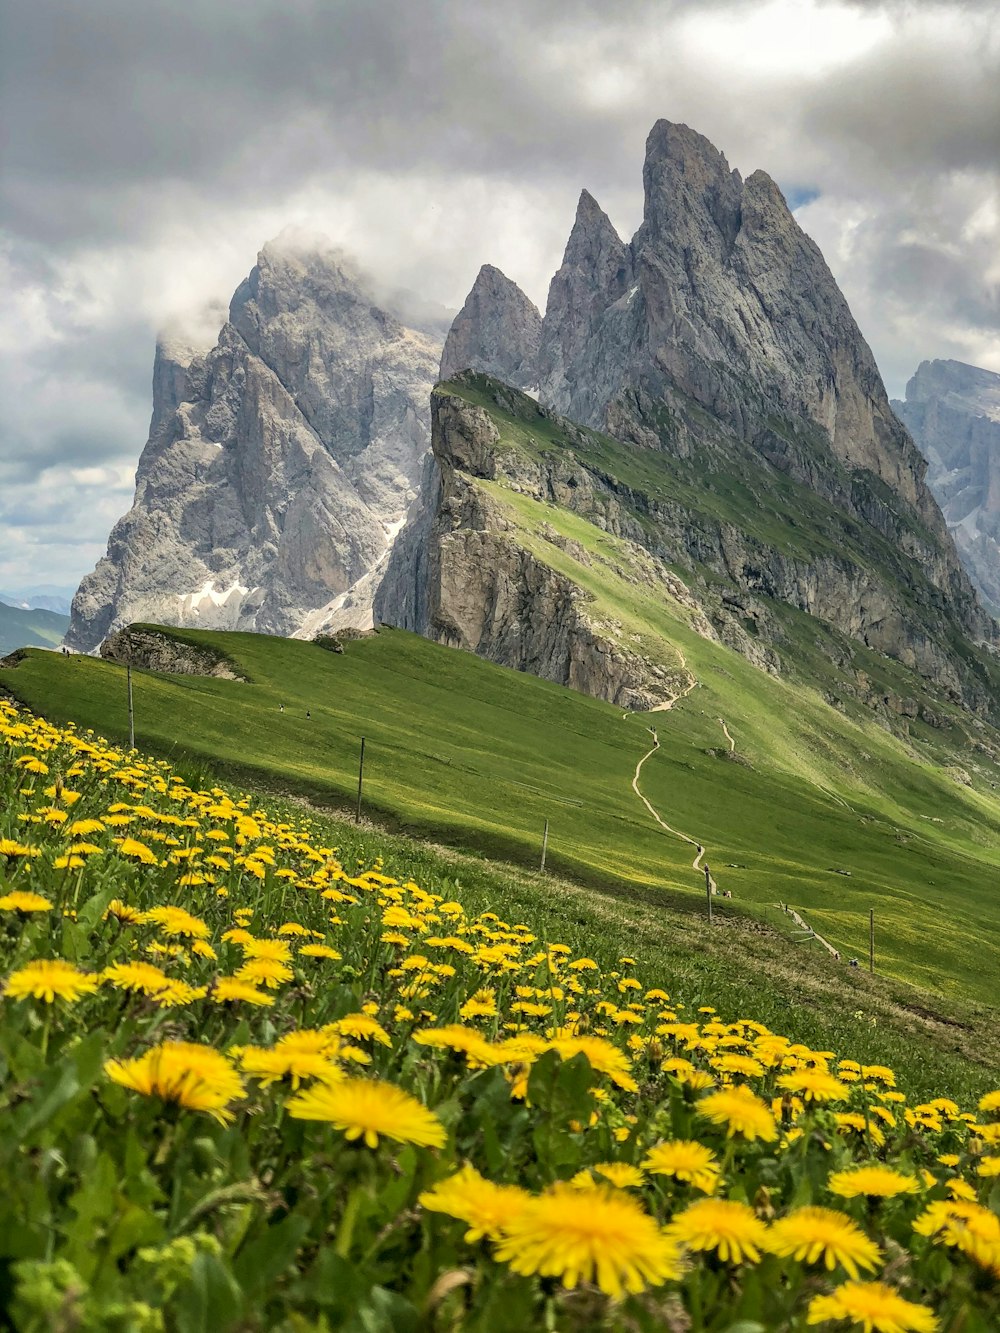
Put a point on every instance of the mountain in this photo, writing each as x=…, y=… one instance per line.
x=21, y=627
x=706, y=394
x=279, y=465
x=953, y=412
x=498, y=330
x=43, y=597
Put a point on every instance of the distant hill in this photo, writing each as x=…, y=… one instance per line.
x=36, y=628
x=43, y=597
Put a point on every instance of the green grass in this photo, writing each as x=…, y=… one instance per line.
x=480, y=757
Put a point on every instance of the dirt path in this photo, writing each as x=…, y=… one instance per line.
x=790, y=911
x=725, y=732
x=676, y=833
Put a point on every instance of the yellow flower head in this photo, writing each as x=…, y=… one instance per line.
x=137, y=851
x=809, y=1235
x=741, y=1112
x=49, y=979
x=621, y=1174
x=687, y=1161
x=877, y=1181
x=232, y=990
x=368, y=1109
x=814, y=1085
x=197, y=1077
x=608, y=1240
x=142, y=977
x=20, y=901
x=874, y=1307
x=485, y=1207
x=175, y=921
x=730, y=1228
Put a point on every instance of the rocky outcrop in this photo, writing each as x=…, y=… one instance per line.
x=279, y=466
x=496, y=332
x=952, y=410
x=475, y=586
x=140, y=646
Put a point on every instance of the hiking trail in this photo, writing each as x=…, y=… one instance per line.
x=675, y=833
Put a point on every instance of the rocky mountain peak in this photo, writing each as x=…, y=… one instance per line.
x=279, y=466
x=497, y=332
x=687, y=184
x=953, y=412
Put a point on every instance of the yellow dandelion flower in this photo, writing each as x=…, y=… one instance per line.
x=12, y=849
x=362, y=1026
x=814, y=1085
x=231, y=990
x=875, y=1307
x=68, y=862
x=730, y=1228
x=621, y=1174
x=19, y=901
x=734, y=1063
x=137, y=851
x=128, y=916
x=49, y=979
x=740, y=1111
x=197, y=1077
x=176, y=993
x=685, y=1160
x=610, y=1241
x=175, y=921
x=602, y=1056
x=990, y=1102
x=320, y=951
x=988, y=1167
x=142, y=977
x=275, y=950
x=300, y=1056
x=82, y=828
x=809, y=1235
x=264, y=972
x=485, y=1207
x=874, y=1180
x=367, y=1109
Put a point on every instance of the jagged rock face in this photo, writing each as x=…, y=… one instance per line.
x=496, y=331
x=953, y=412
x=719, y=335
x=279, y=466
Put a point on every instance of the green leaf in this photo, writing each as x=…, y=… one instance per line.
x=264, y=1259
x=210, y=1301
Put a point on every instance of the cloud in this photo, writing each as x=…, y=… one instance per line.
x=150, y=150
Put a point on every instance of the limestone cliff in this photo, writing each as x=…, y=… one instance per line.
x=279, y=466
x=952, y=411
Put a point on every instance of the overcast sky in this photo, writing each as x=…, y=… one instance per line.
x=150, y=148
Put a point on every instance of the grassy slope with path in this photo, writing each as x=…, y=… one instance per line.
x=480, y=756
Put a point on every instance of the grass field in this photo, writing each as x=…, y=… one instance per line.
x=479, y=757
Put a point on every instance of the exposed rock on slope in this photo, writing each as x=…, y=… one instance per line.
x=279, y=466
x=145, y=646
x=467, y=581
x=496, y=331
x=718, y=344
x=953, y=412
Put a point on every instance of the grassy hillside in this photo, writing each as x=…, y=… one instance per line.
x=814, y=810
x=20, y=628
x=284, y=1074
